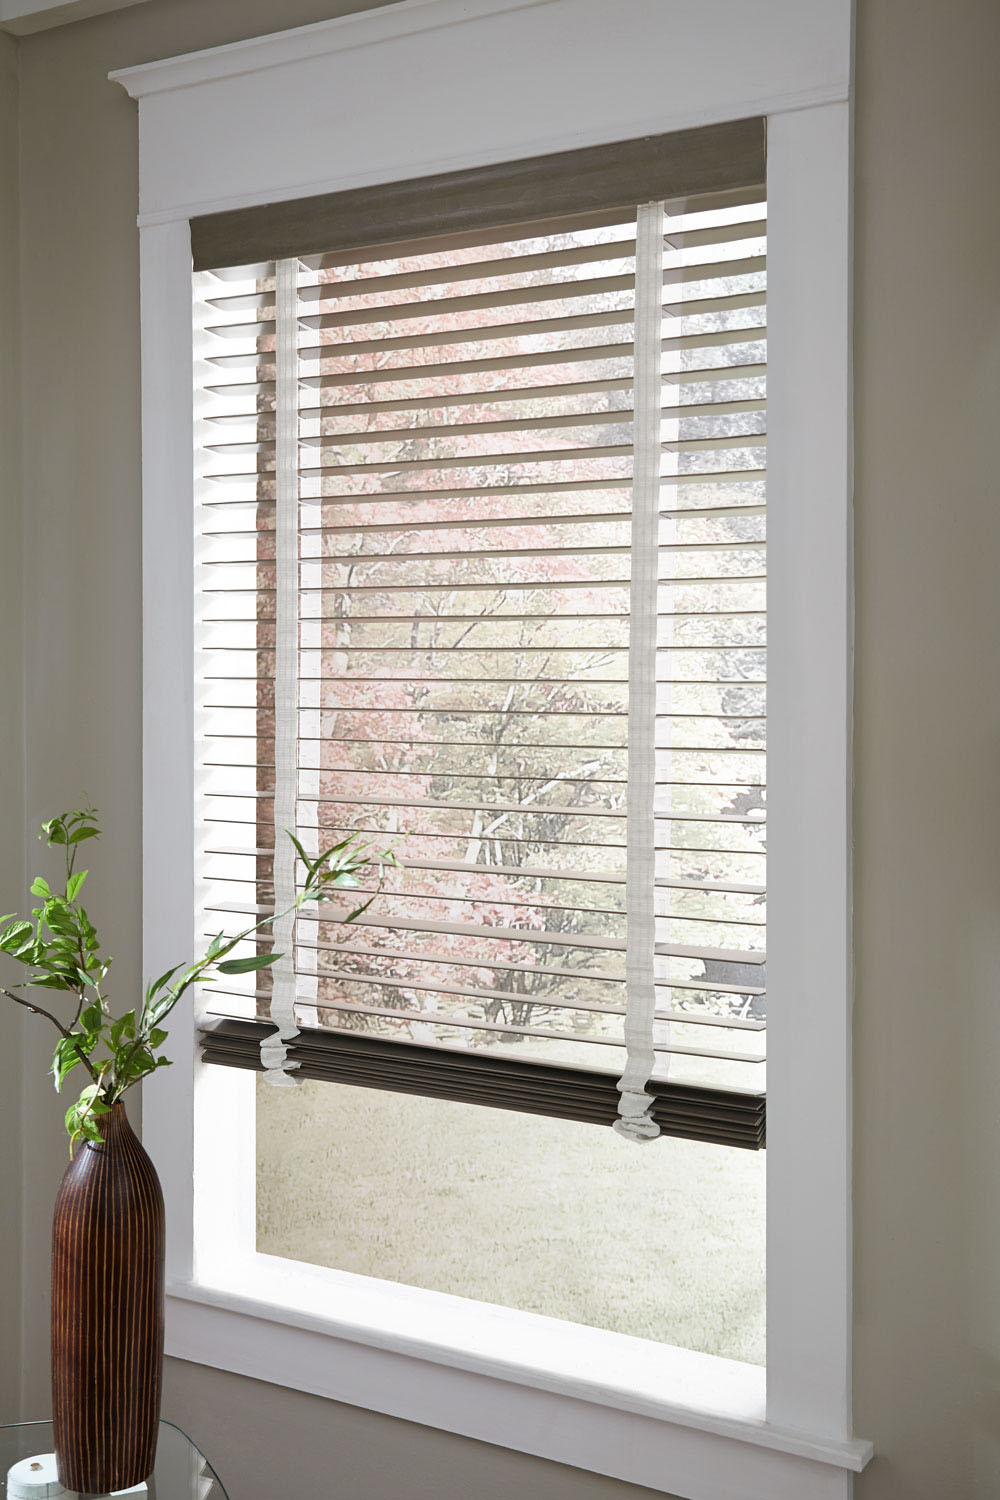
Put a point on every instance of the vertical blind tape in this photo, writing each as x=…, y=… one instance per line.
x=635, y=1120
x=278, y=1066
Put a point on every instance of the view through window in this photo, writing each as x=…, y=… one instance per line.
x=466, y=449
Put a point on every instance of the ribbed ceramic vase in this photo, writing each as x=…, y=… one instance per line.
x=107, y=1313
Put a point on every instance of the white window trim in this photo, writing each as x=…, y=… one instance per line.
x=690, y=1424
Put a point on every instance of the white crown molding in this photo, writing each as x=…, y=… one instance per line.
x=524, y=78
x=23, y=17
x=360, y=29
x=573, y=140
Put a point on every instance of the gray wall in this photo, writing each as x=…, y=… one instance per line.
x=11, y=727
x=928, y=723
x=927, y=892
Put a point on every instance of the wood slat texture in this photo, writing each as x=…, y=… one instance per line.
x=723, y=1116
x=107, y=1313
x=710, y=159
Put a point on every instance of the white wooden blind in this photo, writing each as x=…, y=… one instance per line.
x=493, y=511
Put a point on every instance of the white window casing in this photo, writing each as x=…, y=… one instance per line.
x=558, y=77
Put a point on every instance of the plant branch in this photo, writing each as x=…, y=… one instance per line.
x=64, y=1031
x=81, y=995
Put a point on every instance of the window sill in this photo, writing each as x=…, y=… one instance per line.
x=674, y=1420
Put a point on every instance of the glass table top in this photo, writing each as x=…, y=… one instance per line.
x=181, y=1472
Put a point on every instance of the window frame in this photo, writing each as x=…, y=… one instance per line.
x=671, y=1419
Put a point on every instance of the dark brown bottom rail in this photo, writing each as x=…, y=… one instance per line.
x=725, y=1117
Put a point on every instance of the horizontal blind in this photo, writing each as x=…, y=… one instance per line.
x=466, y=457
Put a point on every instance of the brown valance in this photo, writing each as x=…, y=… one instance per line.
x=683, y=165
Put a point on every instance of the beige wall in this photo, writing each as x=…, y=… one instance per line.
x=10, y=713
x=927, y=895
x=928, y=722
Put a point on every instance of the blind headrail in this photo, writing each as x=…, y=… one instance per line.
x=682, y=165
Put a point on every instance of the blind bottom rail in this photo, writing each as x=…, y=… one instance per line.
x=691, y=1111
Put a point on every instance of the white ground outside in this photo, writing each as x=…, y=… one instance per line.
x=664, y=1241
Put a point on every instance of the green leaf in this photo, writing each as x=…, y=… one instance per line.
x=158, y=984
x=227, y=946
x=80, y=1122
x=161, y=1008
x=124, y=1026
x=13, y=937
x=157, y=1037
x=92, y=1018
x=83, y=833
x=65, y=1059
x=245, y=965
x=69, y=1050
x=58, y=919
x=352, y=916
x=58, y=958
x=54, y=830
x=76, y=1116
x=300, y=851
x=164, y=1062
x=40, y=886
x=73, y=884
x=51, y=982
x=336, y=848
x=139, y=1063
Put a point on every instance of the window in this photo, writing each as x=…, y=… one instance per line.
x=483, y=568
x=213, y=158
x=483, y=564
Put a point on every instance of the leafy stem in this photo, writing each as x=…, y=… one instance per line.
x=61, y=951
x=64, y=1031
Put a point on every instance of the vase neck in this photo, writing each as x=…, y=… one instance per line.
x=114, y=1127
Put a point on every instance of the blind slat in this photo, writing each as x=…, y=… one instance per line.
x=483, y=270
x=514, y=934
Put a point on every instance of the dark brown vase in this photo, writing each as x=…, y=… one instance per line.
x=107, y=1313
